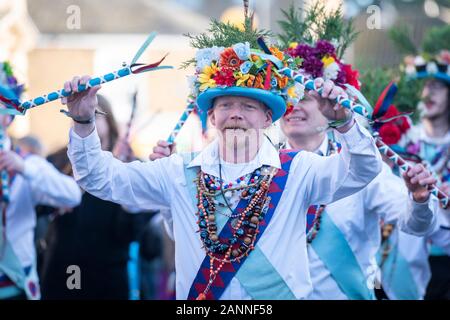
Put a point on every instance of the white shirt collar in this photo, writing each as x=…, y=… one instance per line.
x=439, y=141
x=208, y=159
x=323, y=148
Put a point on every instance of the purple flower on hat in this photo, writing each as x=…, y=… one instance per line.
x=324, y=48
x=313, y=66
x=303, y=51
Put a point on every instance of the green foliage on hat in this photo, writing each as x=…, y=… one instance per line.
x=225, y=34
x=314, y=23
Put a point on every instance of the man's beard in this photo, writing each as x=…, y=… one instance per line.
x=242, y=142
x=436, y=116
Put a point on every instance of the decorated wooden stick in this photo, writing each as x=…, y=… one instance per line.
x=4, y=173
x=181, y=122
x=341, y=100
x=363, y=109
x=405, y=166
x=17, y=107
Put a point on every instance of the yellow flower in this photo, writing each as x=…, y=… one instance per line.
x=205, y=78
x=293, y=45
x=327, y=60
x=241, y=79
x=291, y=92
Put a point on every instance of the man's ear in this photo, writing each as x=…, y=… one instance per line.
x=211, y=116
x=269, y=114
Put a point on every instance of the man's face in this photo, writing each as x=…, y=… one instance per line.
x=305, y=120
x=235, y=116
x=434, y=99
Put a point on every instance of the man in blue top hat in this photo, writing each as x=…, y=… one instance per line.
x=237, y=208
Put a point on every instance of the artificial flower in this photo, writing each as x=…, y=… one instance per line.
x=229, y=59
x=206, y=56
x=242, y=50
x=224, y=77
x=206, y=77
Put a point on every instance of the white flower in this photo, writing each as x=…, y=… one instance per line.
x=299, y=90
x=242, y=50
x=410, y=70
x=418, y=61
x=192, y=83
x=432, y=68
x=295, y=93
x=331, y=72
x=205, y=57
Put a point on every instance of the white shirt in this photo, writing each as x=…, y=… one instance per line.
x=358, y=218
x=418, y=133
x=162, y=183
x=415, y=250
x=40, y=183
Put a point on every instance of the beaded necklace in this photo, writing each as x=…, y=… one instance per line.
x=245, y=224
x=245, y=185
x=332, y=149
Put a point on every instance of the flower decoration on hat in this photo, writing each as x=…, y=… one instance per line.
x=431, y=60
x=390, y=123
x=425, y=66
x=228, y=63
x=317, y=48
x=8, y=79
x=9, y=84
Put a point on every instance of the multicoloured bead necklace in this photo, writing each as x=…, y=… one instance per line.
x=245, y=225
x=316, y=225
x=244, y=186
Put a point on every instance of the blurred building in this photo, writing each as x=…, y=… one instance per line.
x=49, y=41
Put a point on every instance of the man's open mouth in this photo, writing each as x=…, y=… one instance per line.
x=236, y=129
x=295, y=119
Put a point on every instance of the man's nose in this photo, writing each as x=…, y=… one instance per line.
x=236, y=112
x=297, y=107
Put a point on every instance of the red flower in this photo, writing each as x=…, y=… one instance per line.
x=224, y=77
x=230, y=60
x=390, y=133
x=401, y=122
x=351, y=76
x=289, y=109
